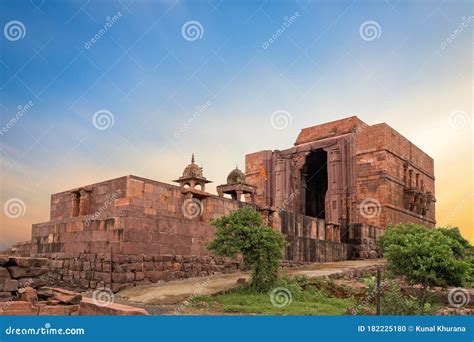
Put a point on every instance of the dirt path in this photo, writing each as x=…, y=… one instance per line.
x=173, y=292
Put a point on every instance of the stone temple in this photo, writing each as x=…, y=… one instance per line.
x=331, y=194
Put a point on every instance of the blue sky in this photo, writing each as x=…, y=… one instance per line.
x=151, y=79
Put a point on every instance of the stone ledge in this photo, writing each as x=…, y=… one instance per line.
x=89, y=308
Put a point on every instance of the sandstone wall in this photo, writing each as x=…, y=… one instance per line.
x=312, y=240
x=20, y=272
x=330, y=129
x=382, y=156
x=119, y=271
x=138, y=236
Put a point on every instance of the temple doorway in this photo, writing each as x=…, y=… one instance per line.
x=316, y=184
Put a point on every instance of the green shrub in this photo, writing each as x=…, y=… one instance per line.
x=261, y=247
x=428, y=257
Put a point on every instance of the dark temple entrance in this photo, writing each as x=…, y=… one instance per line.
x=316, y=184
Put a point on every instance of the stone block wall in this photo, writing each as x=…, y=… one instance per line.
x=137, y=234
x=375, y=175
x=259, y=173
x=119, y=271
x=330, y=129
x=20, y=272
x=363, y=239
x=384, y=161
x=312, y=240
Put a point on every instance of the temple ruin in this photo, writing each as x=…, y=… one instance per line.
x=331, y=194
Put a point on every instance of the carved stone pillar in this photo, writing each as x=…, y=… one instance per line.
x=334, y=193
x=299, y=181
x=238, y=195
x=280, y=183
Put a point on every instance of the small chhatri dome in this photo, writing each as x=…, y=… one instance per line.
x=192, y=176
x=236, y=177
x=192, y=170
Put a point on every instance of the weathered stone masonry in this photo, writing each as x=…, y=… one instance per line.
x=345, y=173
x=139, y=237
x=331, y=194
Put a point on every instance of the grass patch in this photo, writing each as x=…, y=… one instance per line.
x=305, y=300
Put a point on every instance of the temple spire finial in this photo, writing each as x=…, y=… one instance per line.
x=192, y=158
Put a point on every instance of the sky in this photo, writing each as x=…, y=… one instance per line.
x=93, y=90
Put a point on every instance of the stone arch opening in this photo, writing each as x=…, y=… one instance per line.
x=316, y=180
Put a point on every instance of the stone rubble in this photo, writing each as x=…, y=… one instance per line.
x=22, y=293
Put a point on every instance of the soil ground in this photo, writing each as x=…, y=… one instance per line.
x=167, y=298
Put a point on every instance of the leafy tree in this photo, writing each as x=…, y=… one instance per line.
x=261, y=247
x=428, y=257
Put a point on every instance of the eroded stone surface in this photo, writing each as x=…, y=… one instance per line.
x=332, y=194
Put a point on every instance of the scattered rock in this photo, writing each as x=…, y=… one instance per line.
x=59, y=310
x=16, y=308
x=28, y=294
x=22, y=272
x=242, y=281
x=62, y=295
x=5, y=296
x=455, y=312
x=31, y=282
x=89, y=307
x=27, y=262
